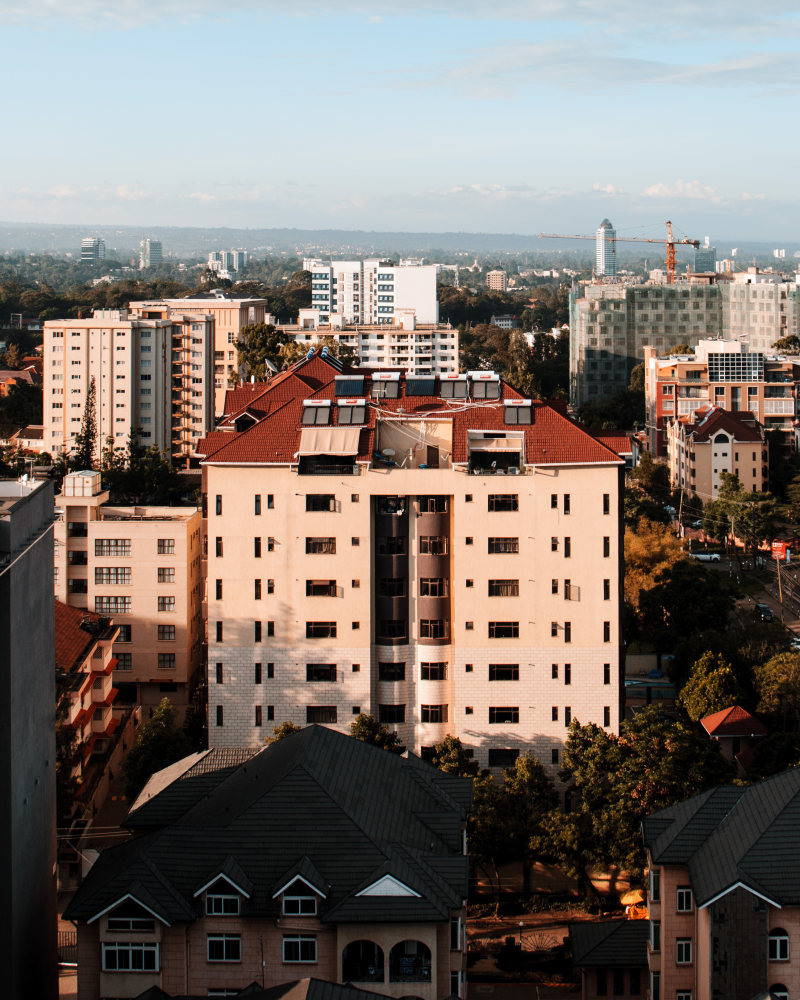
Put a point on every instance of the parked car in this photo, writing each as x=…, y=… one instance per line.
x=705, y=556
x=696, y=524
x=764, y=611
x=795, y=643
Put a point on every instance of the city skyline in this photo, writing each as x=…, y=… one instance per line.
x=540, y=117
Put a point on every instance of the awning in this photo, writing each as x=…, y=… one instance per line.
x=495, y=444
x=329, y=441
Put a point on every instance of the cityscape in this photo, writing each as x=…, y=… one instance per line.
x=398, y=589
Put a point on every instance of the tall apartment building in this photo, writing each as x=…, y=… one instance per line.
x=227, y=262
x=705, y=258
x=721, y=373
x=373, y=291
x=228, y=315
x=142, y=566
x=421, y=350
x=611, y=325
x=605, y=252
x=152, y=374
x=93, y=250
x=497, y=281
x=439, y=552
x=150, y=253
x=27, y=741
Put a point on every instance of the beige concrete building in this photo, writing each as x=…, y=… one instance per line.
x=711, y=441
x=229, y=316
x=142, y=566
x=439, y=552
x=497, y=281
x=154, y=374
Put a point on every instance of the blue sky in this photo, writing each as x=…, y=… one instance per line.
x=517, y=116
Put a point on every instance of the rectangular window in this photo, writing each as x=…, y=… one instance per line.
x=299, y=906
x=124, y=633
x=320, y=546
x=683, y=951
x=503, y=671
x=256, y=590
x=222, y=905
x=606, y=547
x=654, y=890
x=655, y=935
x=433, y=545
x=433, y=713
x=218, y=546
x=112, y=546
x=606, y=503
x=392, y=628
x=504, y=715
x=224, y=947
x=320, y=588
x=166, y=603
x=270, y=501
x=567, y=631
x=567, y=673
x=434, y=628
x=112, y=605
x=502, y=756
x=320, y=502
x=218, y=504
x=257, y=504
x=554, y=501
x=554, y=586
x=567, y=548
x=504, y=588
x=112, y=574
x=503, y=501
x=606, y=590
x=567, y=590
x=567, y=715
x=166, y=546
x=607, y=715
x=503, y=630
x=257, y=548
x=256, y=631
x=321, y=714
x=566, y=503
x=258, y=721
x=220, y=715
x=130, y=956
x=320, y=630
x=218, y=590
x=166, y=574
x=219, y=673
x=606, y=631
x=432, y=505
x=166, y=661
x=430, y=671
x=499, y=546
x=432, y=587
x=554, y=544
x=270, y=544
x=391, y=714
x=321, y=672
x=257, y=673
x=391, y=672
x=554, y=671
x=392, y=586
x=124, y=661
x=300, y=948
x=606, y=673
x=683, y=902
x=219, y=631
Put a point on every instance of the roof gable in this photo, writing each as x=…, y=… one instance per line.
x=387, y=886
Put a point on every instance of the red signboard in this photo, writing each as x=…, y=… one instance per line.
x=779, y=550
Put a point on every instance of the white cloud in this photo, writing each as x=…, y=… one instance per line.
x=609, y=189
x=130, y=192
x=61, y=191
x=693, y=190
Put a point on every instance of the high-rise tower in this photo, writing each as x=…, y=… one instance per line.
x=605, y=249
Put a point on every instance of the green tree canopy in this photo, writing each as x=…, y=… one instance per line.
x=367, y=729
x=450, y=756
x=159, y=743
x=712, y=686
x=651, y=549
x=139, y=475
x=282, y=731
x=778, y=686
x=259, y=347
x=669, y=611
x=748, y=516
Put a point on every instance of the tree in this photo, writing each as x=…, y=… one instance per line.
x=159, y=743
x=86, y=440
x=139, y=475
x=259, y=347
x=749, y=516
x=778, y=686
x=367, y=729
x=528, y=796
x=282, y=731
x=650, y=550
x=772, y=754
x=790, y=344
x=712, y=686
x=450, y=756
x=668, y=611
x=637, y=505
x=653, y=477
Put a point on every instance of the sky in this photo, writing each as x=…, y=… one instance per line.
x=516, y=116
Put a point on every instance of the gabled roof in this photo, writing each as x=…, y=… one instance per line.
x=551, y=439
x=300, y=989
x=610, y=943
x=734, y=836
x=77, y=631
x=293, y=808
x=710, y=420
x=733, y=721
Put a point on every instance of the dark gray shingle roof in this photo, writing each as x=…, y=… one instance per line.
x=610, y=943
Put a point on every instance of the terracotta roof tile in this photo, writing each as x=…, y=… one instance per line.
x=733, y=721
x=73, y=644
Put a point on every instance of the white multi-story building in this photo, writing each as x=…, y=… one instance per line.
x=605, y=250
x=93, y=250
x=439, y=552
x=152, y=374
x=150, y=252
x=373, y=291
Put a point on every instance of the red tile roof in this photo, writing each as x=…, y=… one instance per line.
x=733, y=721
x=711, y=419
x=616, y=441
x=73, y=644
x=552, y=438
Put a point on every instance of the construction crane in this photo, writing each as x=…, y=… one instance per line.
x=671, y=242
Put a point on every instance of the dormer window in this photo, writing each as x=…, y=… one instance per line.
x=299, y=902
x=316, y=411
x=222, y=904
x=130, y=916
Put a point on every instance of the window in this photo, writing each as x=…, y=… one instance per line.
x=567, y=590
x=219, y=631
x=434, y=628
x=567, y=716
x=271, y=713
x=554, y=544
x=567, y=631
x=683, y=951
x=129, y=922
x=320, y=546
x=297, y=904
x=504, y=588
x=503, y=501
x=320, y=588
x=218, y=547
x=606, y=547
x=320, y=672
x=567, y=548
x=606, y=590
x=778, y=945
x=607, y=715
x=166, y=661
x=166, y=574
x=432, y=505
x=391, y=672
x=124, y=661
x=112, y=605
x=166, y=546
x=257, y=503
x=655, y=886
x=130, y=956
x=432, y=587
x=324, y=714
x=270, y=501
x=430, y=671
x=166, y=603
x=224, y=947
x=566, y=503
x=501, y=716
x=392, y=586
x=503, y=630
x=606, y=631
x=498, y=546
x=222, y=904
x=502, y=757
x=433, y=545
x=300, y=948
x=392, y=628
x=218, y=590
x=503, y=671
x=320, y=501
x=256, y=590
x=257, y=673
x=683, y=902
x=112, y=574
x=567, y=673
x=392, y=545
x=391, y=714
x=270, y=544
x=606, y=673
x=112, y=546
x=320, y=630
x=433, y=713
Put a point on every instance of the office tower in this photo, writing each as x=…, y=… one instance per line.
x=497, y=281
x=605, y=250
x=373, y=291
x=150, y=253
x=705, y=258
x=93, y=250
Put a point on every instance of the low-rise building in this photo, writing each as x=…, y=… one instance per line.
x=724, y=893
x=736, y=731
x=612, y=958
x=257, y=865
x=142, y=566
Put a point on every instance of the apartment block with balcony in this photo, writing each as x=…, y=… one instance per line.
x=373, y=291
x=724, y=893
x=151, y=374
x=292, y=870
x=441, y=553
x=229, y=315
x=141, y=566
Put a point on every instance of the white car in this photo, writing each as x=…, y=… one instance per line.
x=705, y=556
